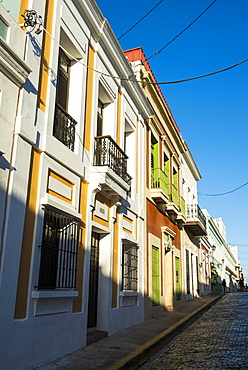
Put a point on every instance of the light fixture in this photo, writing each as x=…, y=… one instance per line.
x=32, y=21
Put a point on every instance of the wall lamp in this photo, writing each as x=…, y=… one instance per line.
x=32, y=21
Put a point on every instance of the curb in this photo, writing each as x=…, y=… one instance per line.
x=142, y=354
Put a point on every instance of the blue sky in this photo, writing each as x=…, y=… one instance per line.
x=212, y=112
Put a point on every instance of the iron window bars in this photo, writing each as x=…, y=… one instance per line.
x=108, y=153
x=129, y=266
x=58, y=263
x=64, y=127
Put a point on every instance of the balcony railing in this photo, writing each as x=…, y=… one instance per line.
x=195, y=212
x=64, y=127
x=174, y=195
x=108, y=153
x=160, y=180
x=182, y=205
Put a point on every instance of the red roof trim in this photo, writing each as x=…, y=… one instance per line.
x=138, y=54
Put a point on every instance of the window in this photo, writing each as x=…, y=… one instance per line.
x=167, y=167
x=129, y=266
x=155, y=276
x=64, y=124
x=178, y=283
x=175, y=178
x=154, y=153
x=99, y=118
x=3, y=29
x=187, y=272
x=59, y=248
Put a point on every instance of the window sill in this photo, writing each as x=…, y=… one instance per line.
x=129, y=298
x=50, y=302
x=54, y=294
x=128, y=294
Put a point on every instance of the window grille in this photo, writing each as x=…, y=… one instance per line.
x=58, y=264
x=129, y=266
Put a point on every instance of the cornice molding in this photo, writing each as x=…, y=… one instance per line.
x=12, y=65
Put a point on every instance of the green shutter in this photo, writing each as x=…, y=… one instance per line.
x=154, y=153
x=155, y=276
x=175, y=178
x=167, y=167
x=178, y=285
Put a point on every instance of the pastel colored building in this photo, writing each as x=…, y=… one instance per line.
x=72, y=193
x=165, y=205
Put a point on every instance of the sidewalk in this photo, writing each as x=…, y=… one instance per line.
x=131, y=347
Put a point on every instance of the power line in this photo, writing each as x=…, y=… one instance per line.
x=141, y=19
x=143, y=82
x=185, y=29
x=197, y=77
x=228, y=192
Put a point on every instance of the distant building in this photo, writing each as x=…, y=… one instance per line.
x=224, y=258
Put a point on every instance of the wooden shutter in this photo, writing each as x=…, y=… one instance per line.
x=63, y=81
x=99, y=118
x=155, y=276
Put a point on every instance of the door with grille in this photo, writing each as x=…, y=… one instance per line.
x=93, y=282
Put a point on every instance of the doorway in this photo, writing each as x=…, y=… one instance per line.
x=93, y=281
x=155, y=277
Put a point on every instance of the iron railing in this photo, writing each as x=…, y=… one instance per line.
x=108, y=153
x=195, y=212
x=58, y=263
x=64, y=127
x=159, y=180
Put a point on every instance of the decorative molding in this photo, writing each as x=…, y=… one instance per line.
x=12, y=65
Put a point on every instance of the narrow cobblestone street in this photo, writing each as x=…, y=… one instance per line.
x=218, y=340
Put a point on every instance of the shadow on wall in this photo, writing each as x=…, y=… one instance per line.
x=4, y=164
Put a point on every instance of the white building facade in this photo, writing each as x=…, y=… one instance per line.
x=73, y=221
x=224, y=258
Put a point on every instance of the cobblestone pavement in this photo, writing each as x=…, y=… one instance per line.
x=217, y=340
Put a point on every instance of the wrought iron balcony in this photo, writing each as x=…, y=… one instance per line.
x=159, y=180
x=64, y=127
x=108, y=153
x=196, y=221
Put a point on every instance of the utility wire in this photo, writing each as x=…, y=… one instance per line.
x=141, y=19
x=185, y=29
x=195, y=78
x=138, y=81
x=228, y=192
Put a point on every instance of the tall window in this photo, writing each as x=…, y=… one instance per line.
x=64, y=124
x=178, y=283
x=62, y=93
x=187, y=272
x=58, y=251
x=155, y=276
x=129, y=266
x=175, y=178
x=167, y=166
x=99, y=118
x=154, y=153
